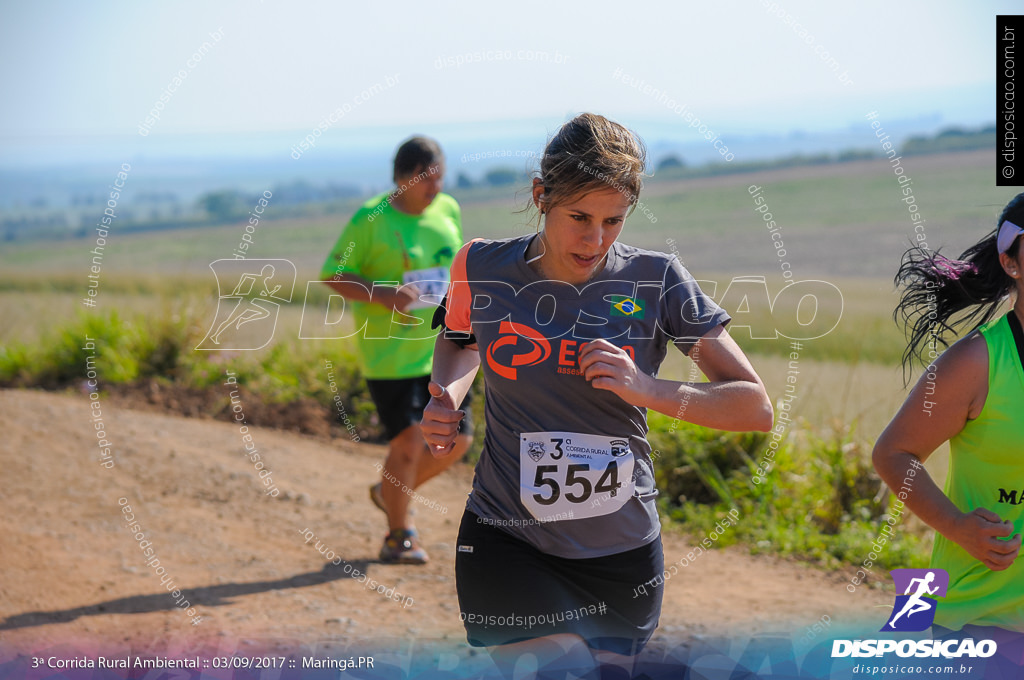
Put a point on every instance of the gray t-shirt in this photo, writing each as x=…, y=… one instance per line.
x=565, y=466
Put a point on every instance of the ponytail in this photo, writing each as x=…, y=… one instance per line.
x=936, y=289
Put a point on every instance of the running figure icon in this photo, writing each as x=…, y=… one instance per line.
x=916, y=603
x=258, y=289
x=247, y=310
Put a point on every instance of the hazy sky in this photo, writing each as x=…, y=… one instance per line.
x=98, y=68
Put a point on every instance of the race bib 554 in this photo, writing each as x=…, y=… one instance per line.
x=568, y=474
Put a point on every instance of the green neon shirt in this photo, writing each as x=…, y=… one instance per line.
x=985, y=471
x=382, y=244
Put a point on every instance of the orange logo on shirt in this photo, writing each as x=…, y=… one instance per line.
x=510, y=333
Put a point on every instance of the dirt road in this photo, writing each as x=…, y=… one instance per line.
x=71, y=572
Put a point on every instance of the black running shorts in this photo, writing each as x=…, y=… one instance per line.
x=400, y=403
x=509, y=591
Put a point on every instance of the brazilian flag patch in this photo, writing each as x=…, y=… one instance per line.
x=627, y=306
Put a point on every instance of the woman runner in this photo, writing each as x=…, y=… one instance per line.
x=570, y=327
x=972, y=397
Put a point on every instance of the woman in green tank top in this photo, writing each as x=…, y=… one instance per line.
x=973, y=397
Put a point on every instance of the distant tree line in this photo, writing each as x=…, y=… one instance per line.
x=229, y=204
x=947, y=140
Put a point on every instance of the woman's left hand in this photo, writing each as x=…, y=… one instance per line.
x=608, y=367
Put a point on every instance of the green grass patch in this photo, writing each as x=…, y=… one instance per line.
x=820, y=501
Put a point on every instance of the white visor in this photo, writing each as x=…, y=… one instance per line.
x=1007, y=232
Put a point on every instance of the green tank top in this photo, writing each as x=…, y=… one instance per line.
x=986, y=469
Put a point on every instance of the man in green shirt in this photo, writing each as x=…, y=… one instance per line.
x=391, y=263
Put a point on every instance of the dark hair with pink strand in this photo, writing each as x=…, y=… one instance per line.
x=942, y=296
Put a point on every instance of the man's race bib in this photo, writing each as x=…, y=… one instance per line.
x=432, y=284
x=568, y=475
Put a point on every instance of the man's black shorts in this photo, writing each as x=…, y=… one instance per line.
x=509, y=591
x=400, y=403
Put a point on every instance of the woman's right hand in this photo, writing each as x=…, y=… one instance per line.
x=441, y=418
x=981, y=532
